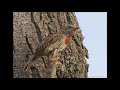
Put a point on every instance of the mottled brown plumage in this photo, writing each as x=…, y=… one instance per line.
x=49, y=40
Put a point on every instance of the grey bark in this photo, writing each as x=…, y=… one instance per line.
x=29, y=28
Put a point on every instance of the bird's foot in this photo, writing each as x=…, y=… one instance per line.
x=53, y=56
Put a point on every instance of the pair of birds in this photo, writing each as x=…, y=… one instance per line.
x=54, y=44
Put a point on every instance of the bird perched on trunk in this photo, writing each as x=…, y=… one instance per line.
x=54, y=43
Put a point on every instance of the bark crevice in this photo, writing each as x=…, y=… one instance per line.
x=28, y=44
x=68, y=18
x=38, y=32
x=75, y=40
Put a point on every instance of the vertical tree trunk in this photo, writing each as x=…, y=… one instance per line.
x=29, y=28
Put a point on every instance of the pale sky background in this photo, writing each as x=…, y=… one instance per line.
x=94, y=28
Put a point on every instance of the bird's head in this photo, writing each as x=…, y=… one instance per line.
x=68, y=31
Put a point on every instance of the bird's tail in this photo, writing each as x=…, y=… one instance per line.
x=32, y=59
x=25, y=67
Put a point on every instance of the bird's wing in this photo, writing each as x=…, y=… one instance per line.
x=48, y=40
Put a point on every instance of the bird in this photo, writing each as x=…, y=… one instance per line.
x=54, y=43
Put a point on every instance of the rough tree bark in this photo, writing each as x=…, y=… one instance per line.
x=28, y=30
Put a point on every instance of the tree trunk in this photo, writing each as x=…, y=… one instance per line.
x=29, y=28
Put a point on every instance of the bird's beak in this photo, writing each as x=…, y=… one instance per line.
x=76, y=28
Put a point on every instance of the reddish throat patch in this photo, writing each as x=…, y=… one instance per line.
x=67, y=40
